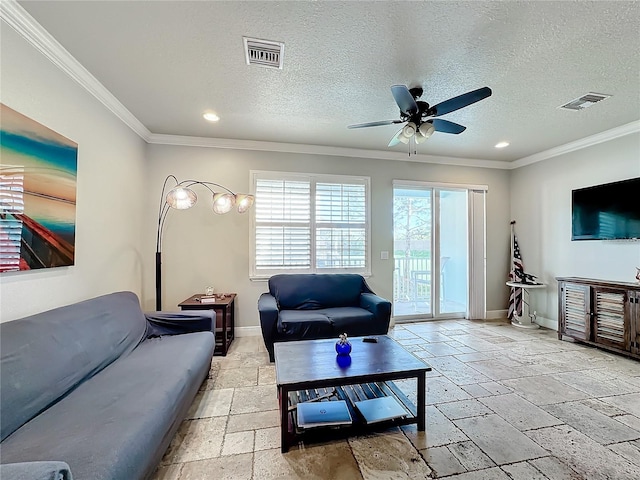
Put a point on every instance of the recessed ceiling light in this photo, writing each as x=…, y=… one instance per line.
x=502, y=144
x=210, y=116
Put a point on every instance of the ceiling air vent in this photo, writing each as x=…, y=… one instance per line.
x=263, y=52
x=584, y=101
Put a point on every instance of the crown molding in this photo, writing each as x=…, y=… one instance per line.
x=27, y=27
x=207, y=142
x=607, y=135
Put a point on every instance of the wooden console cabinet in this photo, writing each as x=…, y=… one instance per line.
x=601, y=313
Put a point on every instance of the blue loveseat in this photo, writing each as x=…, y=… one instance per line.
x=314, y=306
x=96, y=390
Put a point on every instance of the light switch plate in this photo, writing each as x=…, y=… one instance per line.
x=384, y=255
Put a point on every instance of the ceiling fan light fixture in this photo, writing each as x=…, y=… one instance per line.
x=408, y=130
x=426, y=130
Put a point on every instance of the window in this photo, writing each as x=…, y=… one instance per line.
x=310, y=224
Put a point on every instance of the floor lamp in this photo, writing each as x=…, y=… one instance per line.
x=181, y=197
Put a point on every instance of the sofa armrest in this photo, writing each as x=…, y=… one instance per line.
x=268, y=310
x=35, y=471
x=379, y=307
x=176, y=323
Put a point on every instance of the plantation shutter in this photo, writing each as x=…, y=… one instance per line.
x=341, y=213
x=310, y=223
x=283, y=224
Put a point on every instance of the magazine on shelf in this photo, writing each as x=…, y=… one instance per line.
x=323, y=414
x=380, y=409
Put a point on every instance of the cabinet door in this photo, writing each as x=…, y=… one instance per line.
x=610, y=320
x=634, y=318
x=575, y=308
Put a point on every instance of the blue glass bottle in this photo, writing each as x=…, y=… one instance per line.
x=343, y=346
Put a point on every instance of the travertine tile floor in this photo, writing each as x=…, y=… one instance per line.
x=502, y=403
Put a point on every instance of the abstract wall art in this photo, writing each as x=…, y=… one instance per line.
x=38, y=171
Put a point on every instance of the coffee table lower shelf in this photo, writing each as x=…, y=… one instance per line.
x=350, y=394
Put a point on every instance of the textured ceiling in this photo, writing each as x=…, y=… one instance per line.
x=167, y=62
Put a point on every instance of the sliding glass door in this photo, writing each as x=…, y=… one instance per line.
x=452, y=240
x=431, y=260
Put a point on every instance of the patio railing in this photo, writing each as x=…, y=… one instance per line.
x=412, y=279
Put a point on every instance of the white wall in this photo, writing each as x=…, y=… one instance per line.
x=201, y=248
x=110, y=182
x=541, y=206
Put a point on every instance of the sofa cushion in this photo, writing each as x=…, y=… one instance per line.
x=118, y=424
x=353, y=321
x=313, y=291
x=45, y=356
x=299, y=324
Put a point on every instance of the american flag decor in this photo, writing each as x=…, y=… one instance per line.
x=516, y=275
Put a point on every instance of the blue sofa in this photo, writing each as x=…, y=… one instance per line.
x=96, y=390
x=314, y=306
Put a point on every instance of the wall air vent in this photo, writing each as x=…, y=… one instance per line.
x=584, y=101
x=263, y=52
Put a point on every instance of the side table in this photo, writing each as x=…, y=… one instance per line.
x=526, y=320
x=224, y=306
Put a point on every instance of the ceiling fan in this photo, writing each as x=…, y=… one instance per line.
x=418, y=115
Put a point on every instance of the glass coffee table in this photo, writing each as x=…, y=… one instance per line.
x=310, y=370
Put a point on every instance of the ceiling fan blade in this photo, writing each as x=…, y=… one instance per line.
x=396, y=139
x=446, y=126
x=374, y=124
x=460, y=101
x=404, y=99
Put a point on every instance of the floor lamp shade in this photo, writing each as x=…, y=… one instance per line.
x=223, y=202
x=181, y=198
x=244, y=202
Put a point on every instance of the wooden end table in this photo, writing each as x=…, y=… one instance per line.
x=225, y=317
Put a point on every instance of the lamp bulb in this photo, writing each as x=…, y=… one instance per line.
x=244, y=202
x=181, y=198
x=223, y=202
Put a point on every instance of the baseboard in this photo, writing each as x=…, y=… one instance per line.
x=542, y=321
x=547, y=323
x=497, y=314
x=247, y=331
x=491, y=315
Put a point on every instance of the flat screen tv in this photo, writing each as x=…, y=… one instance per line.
x=606, y=212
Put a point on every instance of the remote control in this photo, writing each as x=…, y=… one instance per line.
x=370, y=340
